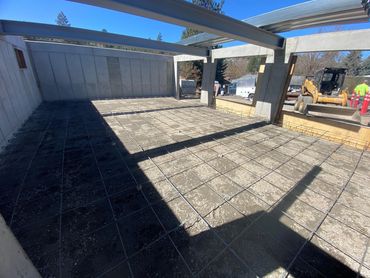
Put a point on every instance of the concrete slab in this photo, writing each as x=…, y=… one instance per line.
x=174, y=188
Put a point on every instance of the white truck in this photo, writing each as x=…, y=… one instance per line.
x=246, y=87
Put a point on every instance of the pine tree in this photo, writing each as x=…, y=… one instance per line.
x=189, y=32
x=253, y=64
x=216, y=6
x=353, y=63
x=212, y=5
x=220, y=71
x=62, y=20
x=221, y=67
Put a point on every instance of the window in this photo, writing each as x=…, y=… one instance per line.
x=327, y=77
x=20, y=58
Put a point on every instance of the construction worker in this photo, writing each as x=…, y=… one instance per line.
x=361, y=91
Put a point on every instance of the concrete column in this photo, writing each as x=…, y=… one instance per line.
x=208, y=81
x=273, y=80
x=13, y=260
x=176, y=78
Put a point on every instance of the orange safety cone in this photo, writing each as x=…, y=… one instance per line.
x=357, y=101
x=365, y=105
x=352, y=103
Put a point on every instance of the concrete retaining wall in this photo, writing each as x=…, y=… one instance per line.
x=331, y=130
x=71, y=72
x=339, y=132
x=14, y=262
x=19, y=94
x=234, y=107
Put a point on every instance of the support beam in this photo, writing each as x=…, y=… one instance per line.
x=240, y=51
x=19, y=28
x=208, y=82
x=273, y=81
x=303, y=15
x=186, y=14
x=332, y=41
x=176, y=80
x=189, y=58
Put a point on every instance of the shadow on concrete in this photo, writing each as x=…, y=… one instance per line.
x=155, y=152
x=81, y=210
x=147, y=111
x=267, y=245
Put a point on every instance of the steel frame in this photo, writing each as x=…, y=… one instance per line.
x=19, y=28
x=308, y=14
x=186, y=14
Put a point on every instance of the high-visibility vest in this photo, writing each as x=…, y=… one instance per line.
x=362, y=89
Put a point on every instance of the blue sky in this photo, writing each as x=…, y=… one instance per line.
x=89, y=17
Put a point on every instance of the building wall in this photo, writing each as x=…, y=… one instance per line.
x=71, y=72
x=19, y=94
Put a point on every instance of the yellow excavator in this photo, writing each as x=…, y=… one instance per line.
x=324, y=88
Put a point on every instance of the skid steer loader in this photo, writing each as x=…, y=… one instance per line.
x=324, y=88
